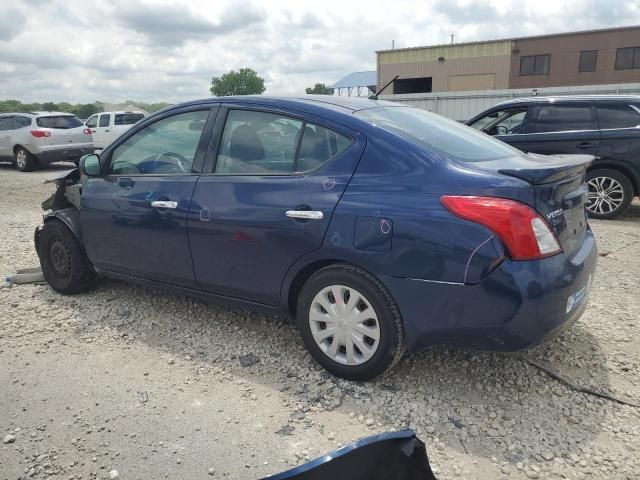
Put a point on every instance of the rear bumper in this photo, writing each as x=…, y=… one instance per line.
x=519, y=305
x=71, y=154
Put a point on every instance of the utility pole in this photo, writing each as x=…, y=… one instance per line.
x=452, y=39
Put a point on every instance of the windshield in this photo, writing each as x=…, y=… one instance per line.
x=62, y=121
x=447, y=137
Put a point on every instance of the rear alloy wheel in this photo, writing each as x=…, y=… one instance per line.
x=64, y=265
x=349, y=323
x=25, y=162
x=610, y=193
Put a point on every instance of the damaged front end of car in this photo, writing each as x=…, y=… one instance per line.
x=64, y=203
x=392, y=455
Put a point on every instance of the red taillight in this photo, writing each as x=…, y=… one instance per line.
x=40, y=133
x=87, y=131
x=523, y=231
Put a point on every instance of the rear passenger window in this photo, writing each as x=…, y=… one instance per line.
x=104, y=120
x=127, y=118
x=21, y=122
x=6, y=123
x=563, y=118
x=319, y=145
x=618, y=116
x=261, y=143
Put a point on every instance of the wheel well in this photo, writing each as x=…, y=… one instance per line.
x=618, y=168
x=301, y=278
x=16, y=147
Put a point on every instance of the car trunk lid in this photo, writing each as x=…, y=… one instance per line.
x=560, y=191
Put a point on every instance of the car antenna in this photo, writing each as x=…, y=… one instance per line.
x=375, y=95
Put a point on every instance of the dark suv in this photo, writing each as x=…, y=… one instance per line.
x=607, y=127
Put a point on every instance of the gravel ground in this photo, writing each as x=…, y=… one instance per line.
x=159, y=386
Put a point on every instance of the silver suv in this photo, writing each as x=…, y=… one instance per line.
x=36, y=139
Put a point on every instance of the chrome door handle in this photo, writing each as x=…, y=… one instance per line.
x=306, y=214
x=164, y=204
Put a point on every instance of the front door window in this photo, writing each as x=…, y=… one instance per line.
x=166, y=147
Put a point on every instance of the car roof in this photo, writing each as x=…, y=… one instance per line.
x=571, y=98
x=118, y=112
x=344, y=104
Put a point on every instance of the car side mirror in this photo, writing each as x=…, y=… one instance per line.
x=89, y=165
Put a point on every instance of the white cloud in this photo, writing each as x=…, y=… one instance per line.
x=153, y=50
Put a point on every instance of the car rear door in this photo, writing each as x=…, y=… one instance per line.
x=274, y=180
x=565, y=128
x=6, y=127
x=134, y=216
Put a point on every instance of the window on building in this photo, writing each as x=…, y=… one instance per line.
x=628, y=58
x=588, y=60
x=412, y=85
x=618, y=115
x=535, y=64
x=564, y=118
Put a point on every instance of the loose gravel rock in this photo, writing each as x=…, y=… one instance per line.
x=146, y=383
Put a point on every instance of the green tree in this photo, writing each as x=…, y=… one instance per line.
x=243, y=82
x=49, y=107
x=319, y=89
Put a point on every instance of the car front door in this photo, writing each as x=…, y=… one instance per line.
x=510, y=125
x=134, y=216
x=275, y=179
x=92, y=124
x=565, y=128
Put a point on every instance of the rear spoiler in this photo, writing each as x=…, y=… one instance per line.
x=551, y=168
x=392, y=455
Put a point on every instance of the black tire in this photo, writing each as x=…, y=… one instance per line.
x=64, y=264
x=391, y=346
x=612, y=205
x=24, y=160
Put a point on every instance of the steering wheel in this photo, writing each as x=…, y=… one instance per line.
x=174, y=158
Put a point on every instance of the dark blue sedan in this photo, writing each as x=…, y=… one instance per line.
x=379, y=227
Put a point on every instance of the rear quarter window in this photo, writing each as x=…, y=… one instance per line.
x=61, y=122
x=621, y=115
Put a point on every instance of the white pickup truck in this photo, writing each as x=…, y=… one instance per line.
x=107, y=126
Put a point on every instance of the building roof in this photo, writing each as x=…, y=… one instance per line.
x=357, y=79
x=512, y=39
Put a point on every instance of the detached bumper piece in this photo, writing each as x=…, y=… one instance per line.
x=388, y=456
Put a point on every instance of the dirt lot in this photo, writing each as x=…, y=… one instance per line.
x=158, y=386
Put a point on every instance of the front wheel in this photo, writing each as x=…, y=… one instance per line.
x=610, y=193
x=350, y=323
x=64, y=264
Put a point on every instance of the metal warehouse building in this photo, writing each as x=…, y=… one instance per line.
x=595, y=57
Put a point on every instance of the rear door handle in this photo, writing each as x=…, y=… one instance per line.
x=164, y=204
x=586, y=145
x=306, y=214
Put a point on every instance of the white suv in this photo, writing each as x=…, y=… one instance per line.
x=37, y=139
x=107, y=126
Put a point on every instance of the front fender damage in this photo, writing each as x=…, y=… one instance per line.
x=64, y=204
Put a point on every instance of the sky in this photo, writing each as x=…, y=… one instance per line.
x=164, y=50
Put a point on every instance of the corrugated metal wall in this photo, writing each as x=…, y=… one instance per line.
x=464, y=105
